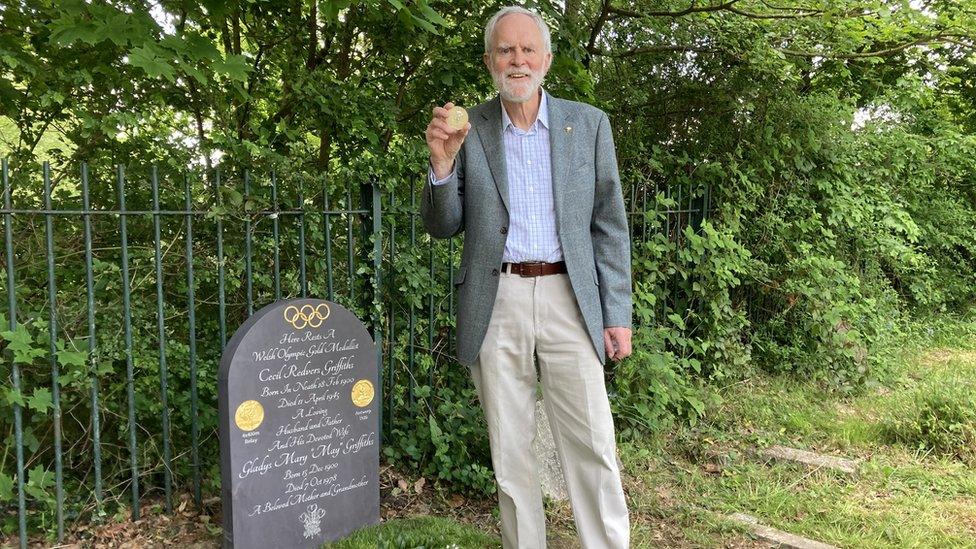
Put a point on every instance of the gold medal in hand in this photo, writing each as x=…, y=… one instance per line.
x=457, y=118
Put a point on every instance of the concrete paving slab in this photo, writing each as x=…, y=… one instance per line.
x=778, y=538
x=812, y=459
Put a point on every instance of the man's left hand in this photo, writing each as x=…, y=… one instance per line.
x=617, y=343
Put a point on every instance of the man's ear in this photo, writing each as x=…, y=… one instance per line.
x=487, y=61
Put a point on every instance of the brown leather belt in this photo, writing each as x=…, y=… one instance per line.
x=534, y=268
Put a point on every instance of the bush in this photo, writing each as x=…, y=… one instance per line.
x=440, y=433
x=687, y=331
x=655, y=388
x=940, y=419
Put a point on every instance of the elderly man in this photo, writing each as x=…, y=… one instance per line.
x=545, y=274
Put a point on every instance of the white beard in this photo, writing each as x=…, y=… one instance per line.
x=518, y=91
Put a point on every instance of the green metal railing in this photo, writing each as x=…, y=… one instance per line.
x=666, y=210
x=117, y=235
x=419, y=302
x=167, y=271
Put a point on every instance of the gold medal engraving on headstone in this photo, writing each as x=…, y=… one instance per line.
x=249, y=415
x=362, y=393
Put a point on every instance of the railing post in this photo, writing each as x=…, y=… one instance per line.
x=52, y=293
x=391, y=366
x=192, y=340
x=14, y=367
x=350, y=246
x=413, y=314
x=248, y=235
x=302, y=261
x=161, y=336
x=221, y=298
x=127, y=324
x=376, y=308
x=327, y=237
x=92, y=340
x=275, y=225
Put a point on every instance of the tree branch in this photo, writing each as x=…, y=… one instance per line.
x=313, y=37
x=925, y=40
x=751, y=15
x=198, y=118
x=687, y=11
x=409, y=70
x=657, y=48
x=797, y=12
x=597, y=28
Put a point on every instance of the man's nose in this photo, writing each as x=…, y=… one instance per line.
x=518, y=58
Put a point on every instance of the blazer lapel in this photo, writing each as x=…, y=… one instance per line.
x=490, y=133
x=561, y=133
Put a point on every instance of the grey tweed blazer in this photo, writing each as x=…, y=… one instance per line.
x=590, y=218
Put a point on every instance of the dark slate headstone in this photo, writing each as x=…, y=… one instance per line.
x=299, y=427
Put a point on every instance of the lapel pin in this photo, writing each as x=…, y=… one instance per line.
x=569, y=129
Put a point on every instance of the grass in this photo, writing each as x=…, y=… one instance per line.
x=908, y=493
x=417, y=532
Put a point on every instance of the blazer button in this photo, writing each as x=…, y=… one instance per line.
x=494, y=272
x=504, y=230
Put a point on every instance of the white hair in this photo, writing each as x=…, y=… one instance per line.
x=509, y=10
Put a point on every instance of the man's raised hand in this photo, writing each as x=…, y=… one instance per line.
x=443, y=141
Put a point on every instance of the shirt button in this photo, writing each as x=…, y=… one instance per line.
x=504, y=230
x=529, y=162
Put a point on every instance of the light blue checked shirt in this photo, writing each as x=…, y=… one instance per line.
x=532, y=219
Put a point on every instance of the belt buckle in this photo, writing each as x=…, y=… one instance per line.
x=530, y=269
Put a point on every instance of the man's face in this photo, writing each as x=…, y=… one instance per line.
x=517, y=60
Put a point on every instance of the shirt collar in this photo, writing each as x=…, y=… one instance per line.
x=541, y=118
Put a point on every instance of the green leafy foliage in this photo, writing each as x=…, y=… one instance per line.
x=798, y=178
x=442, y=432
x=20, y=342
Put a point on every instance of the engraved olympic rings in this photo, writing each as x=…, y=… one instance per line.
x=306, y=316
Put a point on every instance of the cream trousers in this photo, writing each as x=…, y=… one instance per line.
x=539, y=317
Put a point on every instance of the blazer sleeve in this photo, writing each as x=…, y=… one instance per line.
x=609, y=233
x=442, y=205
